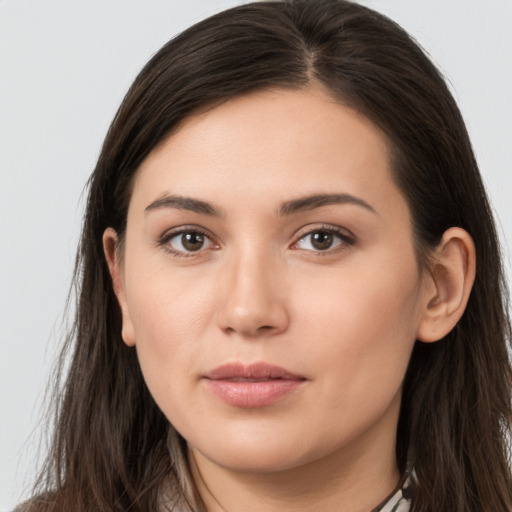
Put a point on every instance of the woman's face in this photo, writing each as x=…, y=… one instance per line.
x=269, y=283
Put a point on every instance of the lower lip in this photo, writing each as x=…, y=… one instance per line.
x=253, y=394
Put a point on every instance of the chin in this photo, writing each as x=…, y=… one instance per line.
x=257, y=460
x=260, y=453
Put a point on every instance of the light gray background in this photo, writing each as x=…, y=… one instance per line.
x=64, y=68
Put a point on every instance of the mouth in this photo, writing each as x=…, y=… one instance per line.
x=256, y=385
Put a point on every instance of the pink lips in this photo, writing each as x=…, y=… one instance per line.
x=255, y=385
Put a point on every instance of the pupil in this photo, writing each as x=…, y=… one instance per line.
x=322, y=240
x=192, y=241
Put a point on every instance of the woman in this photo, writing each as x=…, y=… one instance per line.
x=291, y=295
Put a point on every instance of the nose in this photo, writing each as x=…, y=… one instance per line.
x=252, y=301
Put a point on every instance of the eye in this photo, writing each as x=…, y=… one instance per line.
x=323, y=240
x=188, y=241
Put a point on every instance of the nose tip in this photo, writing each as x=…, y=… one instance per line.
x=252, y=302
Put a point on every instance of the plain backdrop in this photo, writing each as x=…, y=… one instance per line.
x=64, y=68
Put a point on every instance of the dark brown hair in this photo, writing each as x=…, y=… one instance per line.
x=113, y=449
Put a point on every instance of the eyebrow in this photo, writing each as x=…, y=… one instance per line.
x=319, y=200
x=183, y=203
x=287, y=208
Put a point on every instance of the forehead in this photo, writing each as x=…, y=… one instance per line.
x=269, y=144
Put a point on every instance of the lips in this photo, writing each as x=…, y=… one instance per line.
x=256, y=385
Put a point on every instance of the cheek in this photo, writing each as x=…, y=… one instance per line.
x=364, y=324
x=167, y=306
x=169, y=318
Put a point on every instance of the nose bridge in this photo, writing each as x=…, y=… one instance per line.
x=252, y=301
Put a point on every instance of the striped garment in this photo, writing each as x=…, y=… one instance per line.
x=399, y=502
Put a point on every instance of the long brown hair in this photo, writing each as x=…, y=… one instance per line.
x=113, y=450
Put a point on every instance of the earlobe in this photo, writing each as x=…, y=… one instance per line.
x=110, y=248
x=448, y=285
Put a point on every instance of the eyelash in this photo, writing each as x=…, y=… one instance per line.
x=169, y=235
x=345, y=240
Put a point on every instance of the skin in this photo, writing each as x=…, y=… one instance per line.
x=345, y=318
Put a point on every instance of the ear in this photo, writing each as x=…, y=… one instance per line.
x=115, y=267
x=448, y=285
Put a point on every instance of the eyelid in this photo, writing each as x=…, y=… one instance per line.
x=164, y=239
x=347, y=238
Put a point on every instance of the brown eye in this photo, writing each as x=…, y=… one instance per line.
x=189, y=241
x=192, y=241
x=323, y=240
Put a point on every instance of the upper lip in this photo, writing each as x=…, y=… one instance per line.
x=255, y=371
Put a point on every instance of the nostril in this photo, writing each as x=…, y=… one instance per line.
x=249, y=332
